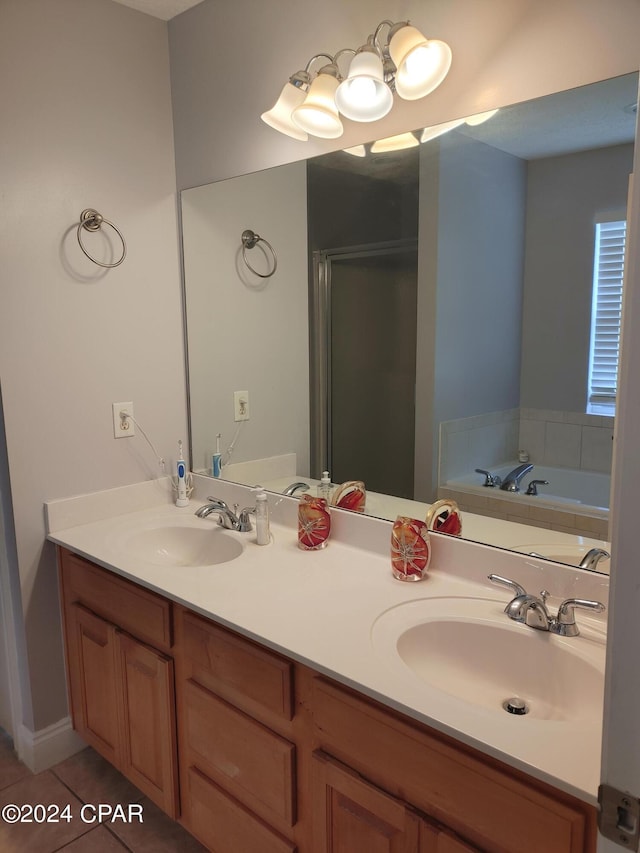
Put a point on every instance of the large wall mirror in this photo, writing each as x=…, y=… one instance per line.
x=430, y=314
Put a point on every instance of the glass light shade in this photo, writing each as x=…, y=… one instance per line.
x=318, y=114
x=480, y=118
x=364, y=96
x=279, y=116
x=438, y=129
x=422, y=63
x=356, y=151
x=394, y=143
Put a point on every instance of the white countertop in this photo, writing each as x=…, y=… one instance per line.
x=319, y=608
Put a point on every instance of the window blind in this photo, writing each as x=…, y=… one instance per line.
x=608, y=274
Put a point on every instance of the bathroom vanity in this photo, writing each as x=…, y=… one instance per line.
x=184, y=679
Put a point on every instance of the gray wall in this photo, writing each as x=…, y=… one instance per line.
x=470, y=289
x=565, y=197
x=230, y=60
x=480, y=261
x=247, y=333
x=86, y=122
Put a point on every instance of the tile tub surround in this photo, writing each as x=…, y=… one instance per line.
x=285, y=599
x=559, y=439
x=571, y=519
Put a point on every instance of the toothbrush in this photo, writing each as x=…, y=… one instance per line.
x=217, y=458
x=182, y=499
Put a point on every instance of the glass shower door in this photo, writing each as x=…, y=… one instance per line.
x=366, y=328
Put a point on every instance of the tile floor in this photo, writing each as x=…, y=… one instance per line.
x=84, y=778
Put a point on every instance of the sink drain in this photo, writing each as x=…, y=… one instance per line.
x=516, y=706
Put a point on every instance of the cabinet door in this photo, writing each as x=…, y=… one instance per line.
x=349, y=814
x=149, y=754
x=93, y=679
x=434, y=839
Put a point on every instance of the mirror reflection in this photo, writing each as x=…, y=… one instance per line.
x=432, y=313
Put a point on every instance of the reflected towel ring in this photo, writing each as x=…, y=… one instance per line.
x=91, y=220
x=251, y=239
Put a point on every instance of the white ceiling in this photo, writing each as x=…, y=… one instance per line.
x=164, y=9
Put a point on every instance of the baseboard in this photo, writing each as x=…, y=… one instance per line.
x=46, y=747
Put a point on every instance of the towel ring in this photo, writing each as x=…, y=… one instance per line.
x=91, y=220
x=251, y=239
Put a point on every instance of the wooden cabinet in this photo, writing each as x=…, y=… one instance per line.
x=121, y=690
x=92, y=660
x=350, y=814
x=274, y=758
x=238, y=756
x=493, y=807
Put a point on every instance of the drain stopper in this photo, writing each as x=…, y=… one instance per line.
x=515, y=706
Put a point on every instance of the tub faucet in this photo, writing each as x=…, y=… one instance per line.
x=511, y=482
x=293, y=488
x=592, y=558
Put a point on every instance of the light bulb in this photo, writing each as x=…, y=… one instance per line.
x=364, y=96
x=419, y=61
x=362, y=89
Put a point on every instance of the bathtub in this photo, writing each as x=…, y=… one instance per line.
x=587, y=490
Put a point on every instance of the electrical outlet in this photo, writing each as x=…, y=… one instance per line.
x=123, y=427
x=241, y=405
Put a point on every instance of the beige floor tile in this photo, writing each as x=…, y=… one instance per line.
x=40, y=837
x=157, y=833
x=95, y=781
x=11, y=770
x=97, y=840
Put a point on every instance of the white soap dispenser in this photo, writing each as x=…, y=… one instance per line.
x=324, y=488
x=263, y=533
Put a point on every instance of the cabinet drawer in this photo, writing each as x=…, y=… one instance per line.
x=256, y=680
x=252, y=762
x=224, y=825
x=466, y=791
x=138, y=611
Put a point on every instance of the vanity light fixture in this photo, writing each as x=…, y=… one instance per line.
x=409, y=140
x=394, y=143
x=406, y=62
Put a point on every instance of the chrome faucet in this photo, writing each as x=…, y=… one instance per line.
x=533, y=612
x=511, y=482
x=293, y=488
x=532, y=488
x=490, y=480
x=592, y=558
x=226, y=517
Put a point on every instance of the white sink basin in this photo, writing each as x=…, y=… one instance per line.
x=181, y=545
x=468, y=648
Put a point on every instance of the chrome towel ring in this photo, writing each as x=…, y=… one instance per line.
x=251, y=239
x=91, y=220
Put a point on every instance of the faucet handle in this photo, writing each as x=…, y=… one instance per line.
x=512, y=585
x=490, y=479
x=566, y=621
x=532, y=488
x=244, y=522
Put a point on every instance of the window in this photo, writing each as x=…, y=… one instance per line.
x=608, y=273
